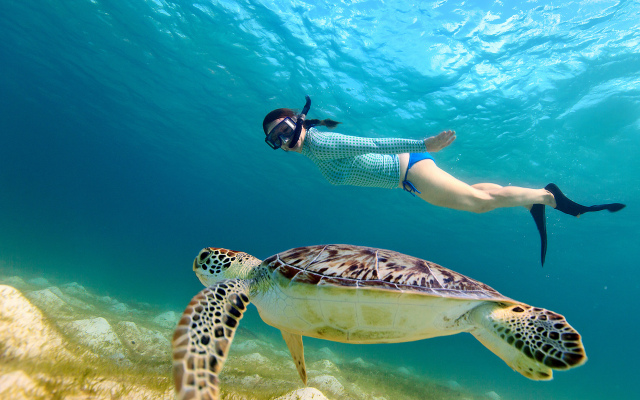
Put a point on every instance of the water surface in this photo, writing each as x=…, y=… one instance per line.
x=130, y=138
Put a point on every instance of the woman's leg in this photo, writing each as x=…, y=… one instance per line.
x=486, y=186
x=441, y=189
x=490, y=186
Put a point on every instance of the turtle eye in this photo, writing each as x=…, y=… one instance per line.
x=204, y=254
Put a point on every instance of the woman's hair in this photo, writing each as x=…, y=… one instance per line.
x=287, y=112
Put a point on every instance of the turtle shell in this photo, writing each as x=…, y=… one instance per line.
x=351, y=266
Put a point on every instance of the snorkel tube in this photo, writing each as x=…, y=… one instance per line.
x=299, y=122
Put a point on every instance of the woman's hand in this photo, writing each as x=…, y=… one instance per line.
x=440, y=141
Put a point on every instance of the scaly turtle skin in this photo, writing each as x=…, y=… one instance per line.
x=355, y=294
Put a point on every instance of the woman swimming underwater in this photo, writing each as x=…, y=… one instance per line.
x=406, y=163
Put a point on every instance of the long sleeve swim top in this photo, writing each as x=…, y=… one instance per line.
x=358, y=161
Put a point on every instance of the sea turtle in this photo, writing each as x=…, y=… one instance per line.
x=354, y=294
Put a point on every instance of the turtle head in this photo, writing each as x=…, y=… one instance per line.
x=214, y=264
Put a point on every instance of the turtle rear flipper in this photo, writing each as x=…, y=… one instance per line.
x=203, y=336
x=296, y=348
x=532, y=341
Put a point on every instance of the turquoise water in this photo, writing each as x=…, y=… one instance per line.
x=130, y=138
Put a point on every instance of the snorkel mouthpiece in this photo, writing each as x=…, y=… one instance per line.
x=299, y=122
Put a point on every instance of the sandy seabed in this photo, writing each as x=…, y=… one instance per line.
x=64, y=342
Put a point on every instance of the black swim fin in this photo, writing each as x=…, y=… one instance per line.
x=567, y=206
x=538, y=214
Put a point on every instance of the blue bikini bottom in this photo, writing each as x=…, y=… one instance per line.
x=414, y=158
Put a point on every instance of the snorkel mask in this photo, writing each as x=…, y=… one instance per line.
x=288, y=131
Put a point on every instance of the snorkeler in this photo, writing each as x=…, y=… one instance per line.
x=406, y=163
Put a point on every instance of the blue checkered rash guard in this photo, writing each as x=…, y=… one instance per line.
x=358, y=161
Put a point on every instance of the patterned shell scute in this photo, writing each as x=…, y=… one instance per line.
x=355, y=266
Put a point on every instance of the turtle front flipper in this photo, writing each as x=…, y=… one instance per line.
x=203, y=336
x=532, y=341
x=296, y=348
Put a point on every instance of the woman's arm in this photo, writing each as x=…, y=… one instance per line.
x=329, y=145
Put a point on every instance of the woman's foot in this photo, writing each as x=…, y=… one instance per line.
x=567, y=206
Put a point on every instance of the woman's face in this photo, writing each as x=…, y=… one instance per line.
x=285, y=146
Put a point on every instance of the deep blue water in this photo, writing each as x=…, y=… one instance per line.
x=130, y=137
